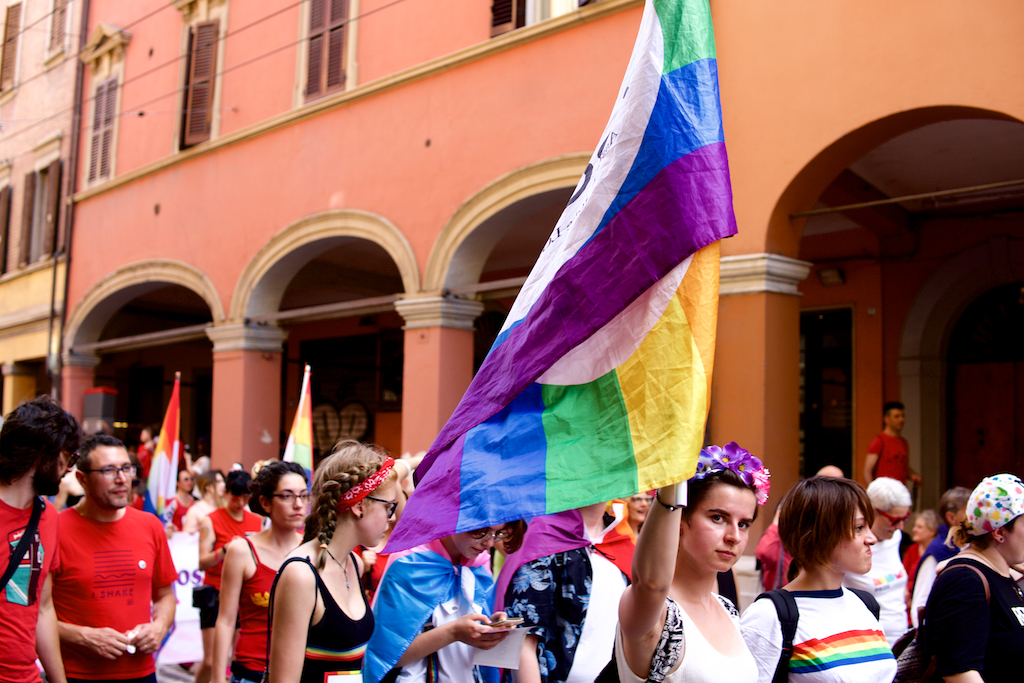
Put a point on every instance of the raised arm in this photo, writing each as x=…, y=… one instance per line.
x=642, y=606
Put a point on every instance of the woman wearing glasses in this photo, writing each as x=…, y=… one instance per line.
x=432, y=608
x=887, y=579
x=280, y=493
x=317, y=600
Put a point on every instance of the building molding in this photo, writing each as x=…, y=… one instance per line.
x=106, y=296
x=265, y=278
x=756, y=273
x=16, y=369
x=439, y=311
x=29, y=315
x=106, y=44
x=247, y=337
x=459, y=252
x=429, y=69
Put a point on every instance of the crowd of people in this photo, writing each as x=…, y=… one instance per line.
x=296, y=585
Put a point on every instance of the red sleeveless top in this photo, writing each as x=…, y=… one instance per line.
x=253, y=601
x=225, y=528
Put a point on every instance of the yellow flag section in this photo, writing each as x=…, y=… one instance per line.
x=666, y=383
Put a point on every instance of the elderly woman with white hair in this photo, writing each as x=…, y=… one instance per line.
x=887, y=579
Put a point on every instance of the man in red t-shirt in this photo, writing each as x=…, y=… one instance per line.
x=114, y=590
x=37, y=446
x=889, y=453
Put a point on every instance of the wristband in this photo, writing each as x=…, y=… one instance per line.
x=670, y=508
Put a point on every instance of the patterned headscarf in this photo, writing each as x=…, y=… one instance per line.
x=994, y=503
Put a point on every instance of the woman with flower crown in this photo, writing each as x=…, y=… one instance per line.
x=672, y=626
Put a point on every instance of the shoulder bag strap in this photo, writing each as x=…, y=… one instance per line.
x=981, y=575
x=789, y=615
x=26, y=541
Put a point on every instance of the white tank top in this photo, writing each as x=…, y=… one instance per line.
x=701, y=663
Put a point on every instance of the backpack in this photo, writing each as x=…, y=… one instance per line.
x=789, y=614
x=913, y=664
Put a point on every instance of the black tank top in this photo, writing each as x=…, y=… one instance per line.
x=336, y=644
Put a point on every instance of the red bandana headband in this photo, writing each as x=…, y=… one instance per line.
x=366, y=486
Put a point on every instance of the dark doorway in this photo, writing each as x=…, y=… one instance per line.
x=986, y=388
x=826, y=383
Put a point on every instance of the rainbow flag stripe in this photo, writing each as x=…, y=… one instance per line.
x=842, y=649
x=299, y=447
x=598, y=384
x=163, y=471
x=325, y=655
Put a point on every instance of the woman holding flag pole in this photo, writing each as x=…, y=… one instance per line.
x=672, y=626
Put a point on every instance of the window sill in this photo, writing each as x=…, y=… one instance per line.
x=54, y=58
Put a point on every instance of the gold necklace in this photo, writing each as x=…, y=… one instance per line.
x=344, y=568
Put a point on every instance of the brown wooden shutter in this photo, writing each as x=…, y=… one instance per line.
x=325, y=68
x=198, y=119
x=9, y=56
x=52, y=209
x=99, y=100
x=27, y=204
x=5, y=214
x=58, y=24
x=507, y=15
x=107, y=142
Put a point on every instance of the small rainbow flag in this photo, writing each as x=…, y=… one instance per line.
x=163, y=473
x=598, y=385
x=300, y=442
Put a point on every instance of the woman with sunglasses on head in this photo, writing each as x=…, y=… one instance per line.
x=279, y=492
x=432, y=608
x=887, y=578
x=317, y=600
x=672, y=626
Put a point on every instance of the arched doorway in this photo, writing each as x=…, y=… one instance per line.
x=986, y=387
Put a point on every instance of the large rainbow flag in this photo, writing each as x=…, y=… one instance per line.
x=163, y=472
x=300, y=442
x=598, y=384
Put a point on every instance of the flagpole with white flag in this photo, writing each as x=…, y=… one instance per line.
x=163, y=473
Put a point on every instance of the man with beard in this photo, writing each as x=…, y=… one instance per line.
x=114, y=587
x=38, y=443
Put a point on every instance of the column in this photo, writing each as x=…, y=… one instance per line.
x=78, y=372
x=19, y=384
x=246, y=393
x=756, y=385
x=437, y=365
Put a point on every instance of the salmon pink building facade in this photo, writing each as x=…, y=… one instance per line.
x=363, y=185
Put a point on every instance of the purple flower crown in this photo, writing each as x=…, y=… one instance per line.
x=731, y=457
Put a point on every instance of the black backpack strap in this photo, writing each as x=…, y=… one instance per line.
x=869, y=601
x=26, y=541
x=789, y=614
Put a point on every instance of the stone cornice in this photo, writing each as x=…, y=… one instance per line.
x=755, y=273
x=439, y=311
x=265, y=338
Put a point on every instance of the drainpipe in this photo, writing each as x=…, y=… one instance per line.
x=55, y=370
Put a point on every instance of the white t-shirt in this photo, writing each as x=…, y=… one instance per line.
x=926, y=573
x=837, y=640
x=887, y=581
x=597, y=639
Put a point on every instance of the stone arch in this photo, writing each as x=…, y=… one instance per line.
x=106, y=297
x=461, y=250
x=265, y=278
x=925, y=340
x=783, y=234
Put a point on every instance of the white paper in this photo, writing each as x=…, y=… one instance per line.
x=504, y=655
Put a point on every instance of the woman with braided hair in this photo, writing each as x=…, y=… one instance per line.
x=317, y=599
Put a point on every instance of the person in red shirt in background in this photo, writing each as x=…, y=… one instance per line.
x=888, y=453
x=215, y=532
x=38, y=444
x=114, y=589
x=183, y=499
x=145, y=451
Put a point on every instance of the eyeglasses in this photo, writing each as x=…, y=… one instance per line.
x=893, y=520
x=392, y=505
x=484, y=534
x=289, y=497
x=72, y=458
x=641, y=499
x=111, y=472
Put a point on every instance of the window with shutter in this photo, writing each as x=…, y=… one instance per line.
x=507, y=15
x=9, y=55
x=5, y=215
x=58, y=25
x=28, y=205
x=101, y=143
x=197, y=120
x=325, y=66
